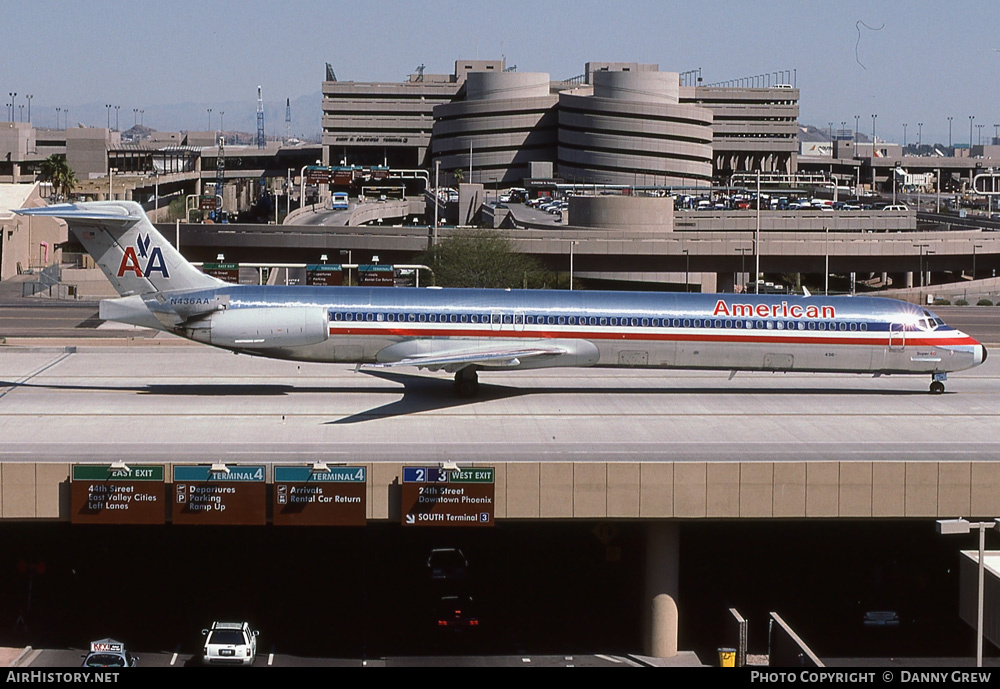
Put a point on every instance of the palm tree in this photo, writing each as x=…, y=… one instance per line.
x=55, y=170
x=458, y=175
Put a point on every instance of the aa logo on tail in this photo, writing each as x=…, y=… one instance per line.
x=153, y=259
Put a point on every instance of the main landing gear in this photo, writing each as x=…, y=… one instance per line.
x=937, y=383
x=467, y=382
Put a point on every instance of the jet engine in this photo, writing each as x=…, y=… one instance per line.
x=261, y=328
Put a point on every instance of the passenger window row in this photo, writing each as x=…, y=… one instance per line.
x=613, y=321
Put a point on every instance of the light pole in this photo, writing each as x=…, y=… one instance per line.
x=949, y=132
x=948, y=527
x=222, y=114
x=826, y=274
x=687, y=269
x=756, y=243
x=921, y=247
x=437, y=198
x=58, y=111
x=571, y=245
x=857, y=132
x=874, y=140
x=117, y=108
x=350, y=262
x=12, y=95
x=979, y=136
x=135, y=116
x=29, y=97
x=111, y=183
x=920, y=135
x=904, y=136
x=971, y=117
x=108, y=106
x=974, y=247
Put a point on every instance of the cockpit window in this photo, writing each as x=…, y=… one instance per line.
x=930, y=321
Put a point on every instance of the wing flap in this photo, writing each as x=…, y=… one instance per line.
x=455, y=359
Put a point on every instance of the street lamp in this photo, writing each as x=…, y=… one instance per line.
x=826, y=264
x=949, y=132
x=857, y=132
x=920, y=135
x=12, y=94
x=117, y=108
x=111, y=183
x=350, y=261
x=949, y=527
x=921, y=247
x=29, y=97
x=108, y=106
x=687, y=269
x=571, y=245
x=904, y=136
x=971, y=117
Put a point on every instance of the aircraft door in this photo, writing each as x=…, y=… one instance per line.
x=519, y=320
x=897, y=337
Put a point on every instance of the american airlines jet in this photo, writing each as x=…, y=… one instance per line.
x=462, y=331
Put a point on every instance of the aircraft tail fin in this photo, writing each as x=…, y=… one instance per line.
x=136, y=258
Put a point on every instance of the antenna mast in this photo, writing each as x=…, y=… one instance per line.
x=260, y=119
x=288, y=118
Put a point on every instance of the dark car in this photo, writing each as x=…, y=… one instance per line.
x=447, y=564
x=456, y=613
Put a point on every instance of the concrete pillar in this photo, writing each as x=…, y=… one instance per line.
x=708, y=281
x=662, y=574
x=724, y=282
x=908, y=279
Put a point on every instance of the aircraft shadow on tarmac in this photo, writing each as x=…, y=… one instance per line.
x=423, y=393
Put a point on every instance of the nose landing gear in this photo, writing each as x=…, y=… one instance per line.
x=937, y=383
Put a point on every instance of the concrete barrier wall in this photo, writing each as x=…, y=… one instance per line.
x=654, y=490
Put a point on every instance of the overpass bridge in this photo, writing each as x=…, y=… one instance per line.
x=717, y=247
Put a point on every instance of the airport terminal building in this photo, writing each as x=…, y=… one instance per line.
x=617, y=123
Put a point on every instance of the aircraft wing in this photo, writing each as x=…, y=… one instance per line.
x=454, y=359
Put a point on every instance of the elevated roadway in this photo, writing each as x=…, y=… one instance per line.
x=659, y=451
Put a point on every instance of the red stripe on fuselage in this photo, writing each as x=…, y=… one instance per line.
x=789, y=337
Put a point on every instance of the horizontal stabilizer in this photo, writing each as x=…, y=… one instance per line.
x=72, y=211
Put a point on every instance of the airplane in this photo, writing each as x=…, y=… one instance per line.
x=463, y=331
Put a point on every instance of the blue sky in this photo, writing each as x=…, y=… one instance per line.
x=929, y=60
